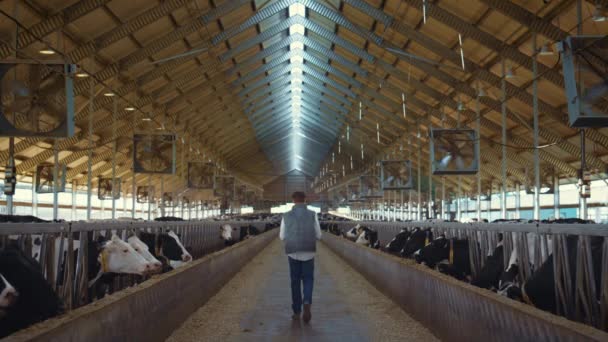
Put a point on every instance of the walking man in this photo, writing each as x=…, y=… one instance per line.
x=300, y=231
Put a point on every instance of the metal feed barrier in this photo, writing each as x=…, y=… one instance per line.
x=200, y=237
x=576, y=295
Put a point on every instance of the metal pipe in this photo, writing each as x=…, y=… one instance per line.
x=56, y=180
x=11, y=165
x=443, y=202
x=124, y=204
x=582, y=199
x=162, y=195
x=503, y=192
x=114, y=189
x=431, y=198
x=536, y=194
x=34, y=197
x=90, y=146
x=556, y=195
x=150, y=197
x=478, y=124
x=74, y=193
x=419, y=157
x=517, y=201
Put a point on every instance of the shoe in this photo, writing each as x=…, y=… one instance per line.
x=307, y=315
x=295, y=316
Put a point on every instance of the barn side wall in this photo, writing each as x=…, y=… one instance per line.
x=153, y=309
x=453, y=310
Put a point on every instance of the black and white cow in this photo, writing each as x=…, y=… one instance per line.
x=226, y=235
x=168, y=219
x=368, y=237
x=167, y=248
x=398, y=242
x=8, y=296
x=247, y=231
x=108, y=257
x=449, y=256
x=490, y=273
x=36, y=301
x=417, y=239
x=539, y=289
x=21, y=219
x=353, y=233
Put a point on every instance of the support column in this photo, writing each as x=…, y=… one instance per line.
x=34, y=197
x=56, y=180
x=503, y=190
x=74, y=193
x=517, y=201
x=556, y=195
x=114, y=146
x=536, y=200
x=90, y=147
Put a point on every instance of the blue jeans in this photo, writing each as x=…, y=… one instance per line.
x=301, y=272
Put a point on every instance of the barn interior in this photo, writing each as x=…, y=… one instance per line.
x=379, y=110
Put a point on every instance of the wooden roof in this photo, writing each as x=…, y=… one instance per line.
x=234, y=101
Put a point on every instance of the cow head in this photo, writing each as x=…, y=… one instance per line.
x=117, y=256
x=8, y=295
x=144, y=251
x=173, y=248
x=226, y=232
x=434, y=252
x=418, y=239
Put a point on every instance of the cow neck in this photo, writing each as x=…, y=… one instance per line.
x=451, y=253
x=103, y=269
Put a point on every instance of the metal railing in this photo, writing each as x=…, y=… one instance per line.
x=49, y=243
x=576, y=295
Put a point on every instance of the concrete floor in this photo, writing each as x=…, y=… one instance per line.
x=256, y=306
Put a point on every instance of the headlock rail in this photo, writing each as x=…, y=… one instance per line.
x=579, y=252
x=49, y=243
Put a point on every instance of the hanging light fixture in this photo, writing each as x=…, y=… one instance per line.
x=378, y=132
x=460, y=106
x=360, y=111
x=403, y=105
x=480, y=91
x=509, y=73
x=545, y=50
x=599, y=14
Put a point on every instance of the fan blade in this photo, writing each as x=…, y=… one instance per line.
x=19, y=88
x=596, y=92
x=443, y=163
x=459, y=162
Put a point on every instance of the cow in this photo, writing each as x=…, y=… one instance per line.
x=21, y=219
x=490, y=273
x=398, y=242
x=333, y=229
x=417, y=239
x=368, y=237
x=8, y=296
x=247, y=231
x=353, y=233
x=144, y=251
x=36, y=301
x=539, y=289
x=449, y=256
x=226, y=235
x=108, y=257
x=167, y=248
x=168, y=219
